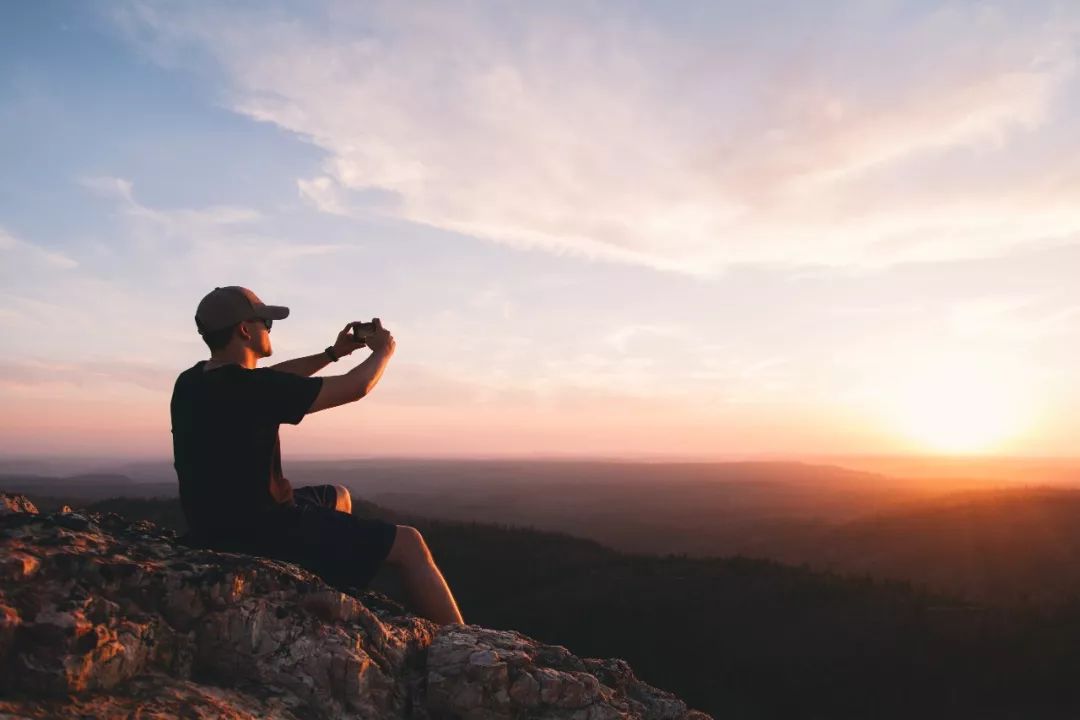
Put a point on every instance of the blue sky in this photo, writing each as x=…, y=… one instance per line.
x=643, y=229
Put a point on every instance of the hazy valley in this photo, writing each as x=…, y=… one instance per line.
x=984, y=540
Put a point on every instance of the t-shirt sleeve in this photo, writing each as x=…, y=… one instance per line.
x=284, y=397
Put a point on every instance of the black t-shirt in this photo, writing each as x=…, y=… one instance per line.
x=226, y=448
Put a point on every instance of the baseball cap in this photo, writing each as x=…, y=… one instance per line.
x=225, y=306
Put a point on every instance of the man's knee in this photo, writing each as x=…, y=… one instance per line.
x=343, y=502
x=409, y=547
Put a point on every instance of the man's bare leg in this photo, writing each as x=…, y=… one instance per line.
x=424, y=584
x=343, y=503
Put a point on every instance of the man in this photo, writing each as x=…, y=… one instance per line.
x=227, y=455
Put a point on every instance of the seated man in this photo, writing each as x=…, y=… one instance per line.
x=227, y=455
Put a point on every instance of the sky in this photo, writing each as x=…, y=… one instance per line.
x=639, y=229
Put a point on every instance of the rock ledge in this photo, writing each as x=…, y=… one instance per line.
x=103, y=617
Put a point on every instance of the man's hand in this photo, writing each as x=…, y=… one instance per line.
x=346, y=342
x=382, y=342
x=358, y=382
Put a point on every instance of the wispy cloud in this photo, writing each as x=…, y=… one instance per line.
x=631, y=336
x=221, y=237
x=17, y=253
x=187, y=222
x=325, y=195
x=493, y=299
x=31, y=373
x=621, y=137
x=1014, y=320
x=142, y=280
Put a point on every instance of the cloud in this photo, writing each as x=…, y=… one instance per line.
x=23, y=374
x=17, y=254
x=629, y=138
x=623, y=338
x=174, y=222
x=493, y=300
x=223, y=237
x=110, y=187
x=141, y=275
x=1016, y=321
x=324, y=194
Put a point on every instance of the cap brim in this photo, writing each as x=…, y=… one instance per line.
x=273, y=312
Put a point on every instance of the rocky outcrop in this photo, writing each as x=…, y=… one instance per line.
x=16, y=504
x=102, y=617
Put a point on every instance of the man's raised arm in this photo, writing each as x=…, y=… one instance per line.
x=304, y=366
x=345, y=344
x=358, y=382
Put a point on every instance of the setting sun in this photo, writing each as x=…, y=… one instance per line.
x=960, y=405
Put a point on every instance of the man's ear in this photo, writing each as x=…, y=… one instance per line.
x=243, y=331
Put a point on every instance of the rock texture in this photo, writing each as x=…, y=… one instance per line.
x=101, y=617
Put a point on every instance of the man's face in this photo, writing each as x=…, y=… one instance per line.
x=259, y=337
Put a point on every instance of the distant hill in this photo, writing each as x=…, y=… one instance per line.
x=84, y=487
x=750, y=638
x=695, y=508
x=1007, y=546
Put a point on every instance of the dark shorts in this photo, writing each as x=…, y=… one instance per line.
x=345, y=550
x=318, y=495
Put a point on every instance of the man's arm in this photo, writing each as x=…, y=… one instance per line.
x=306, y=366
x=358, y=382
x=353, y=385
x=345, y=344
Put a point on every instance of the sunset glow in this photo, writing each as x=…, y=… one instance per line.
x=618, y=229
x=960, y=405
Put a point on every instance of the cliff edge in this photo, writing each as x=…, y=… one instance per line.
x=103, y=617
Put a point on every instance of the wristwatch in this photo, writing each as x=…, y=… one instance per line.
x=330, y=353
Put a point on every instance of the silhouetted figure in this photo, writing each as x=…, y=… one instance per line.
x=227, y=455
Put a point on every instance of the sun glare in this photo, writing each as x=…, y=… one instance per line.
x=960, y=406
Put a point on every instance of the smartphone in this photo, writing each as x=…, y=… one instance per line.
x=363, y=330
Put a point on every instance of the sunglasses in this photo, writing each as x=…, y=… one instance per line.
x=265, y=321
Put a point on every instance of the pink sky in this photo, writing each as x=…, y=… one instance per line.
x=620, y=231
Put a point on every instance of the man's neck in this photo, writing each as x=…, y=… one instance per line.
x=244, y=357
